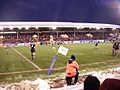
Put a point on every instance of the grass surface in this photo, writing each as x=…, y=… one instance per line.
x=85, y=56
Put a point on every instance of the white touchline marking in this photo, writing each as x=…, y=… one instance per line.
x=55, y=68
x=26, y=59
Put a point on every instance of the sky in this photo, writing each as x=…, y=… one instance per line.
x=82, y=11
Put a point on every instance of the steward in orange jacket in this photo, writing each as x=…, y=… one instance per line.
x=72, y=71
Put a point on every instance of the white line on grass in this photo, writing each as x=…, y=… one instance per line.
x=90, y=64
x=26, y=59
x=60, y=67
x=100, y=62
x=18, y=72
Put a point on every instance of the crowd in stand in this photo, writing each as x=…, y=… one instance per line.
x=45, y=37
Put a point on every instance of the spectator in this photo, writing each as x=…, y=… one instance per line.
x=91, y=83
x=110, y=84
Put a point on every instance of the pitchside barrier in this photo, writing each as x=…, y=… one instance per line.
x=27, y=44
x=65, y=42
x=84, y=41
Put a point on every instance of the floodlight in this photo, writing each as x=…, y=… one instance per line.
x=113, y=28
x=1, y=37
x=53, y=27
x=97, y=28
x=34, y=36
x=78, y=27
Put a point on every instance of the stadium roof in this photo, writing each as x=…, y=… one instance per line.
x=54, y=25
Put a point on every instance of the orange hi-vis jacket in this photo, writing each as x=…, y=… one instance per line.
x=71, y=69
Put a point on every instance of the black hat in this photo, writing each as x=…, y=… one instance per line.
x=72, y=57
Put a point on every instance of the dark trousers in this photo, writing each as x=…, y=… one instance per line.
x=76, y=78
x=70, y=81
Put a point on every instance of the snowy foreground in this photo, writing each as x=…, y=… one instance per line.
x=40, y=84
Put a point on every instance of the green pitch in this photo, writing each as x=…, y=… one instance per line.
x=86, y=56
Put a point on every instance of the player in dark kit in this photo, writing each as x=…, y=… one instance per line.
x=7, y=46
x=115, y=50
x=32, y=51
x=96, y=45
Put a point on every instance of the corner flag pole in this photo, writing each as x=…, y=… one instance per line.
x=62, y=50
x=52, y=64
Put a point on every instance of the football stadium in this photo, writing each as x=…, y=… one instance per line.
x=16, y=63
x=59, y=44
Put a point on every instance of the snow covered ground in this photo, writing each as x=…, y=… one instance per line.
x=40, y=84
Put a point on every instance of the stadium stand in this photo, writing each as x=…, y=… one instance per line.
x=22, y=32
x=61, y=34
x=44, y=37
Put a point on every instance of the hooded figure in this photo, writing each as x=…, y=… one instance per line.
x=72, y=71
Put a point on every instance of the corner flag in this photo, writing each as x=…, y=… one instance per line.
x=63, y=50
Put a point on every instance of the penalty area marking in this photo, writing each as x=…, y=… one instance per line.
x=26, y=59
